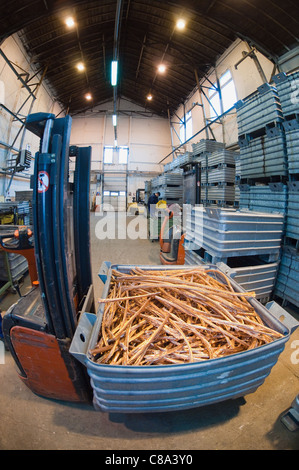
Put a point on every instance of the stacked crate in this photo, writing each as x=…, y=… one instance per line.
x=12, y=265
x=170, y=187
x=16, y=264
x=287, y=285
x=217, y=172
x=246, y=242
x=263, y=155
x=261, y=136
x=24, y=200
x=177, y=163
x=263, y=170
x=271, y=197
x=147, y=191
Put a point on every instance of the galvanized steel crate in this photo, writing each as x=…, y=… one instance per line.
x=206, y=145
x=148, y=389
x=292, y=222
x=217, y=192
x=287, y=285
x=292, y=144
x=272, y=197
x=258, y=110
x=259, y=277
x=219, y=174
x=287, y=86
x=264, y=156
x=225, y=233
x=217, y=157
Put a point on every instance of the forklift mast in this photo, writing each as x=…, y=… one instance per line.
x=38, y=329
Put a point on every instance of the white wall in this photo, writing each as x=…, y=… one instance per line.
x=12, y=96
x=148, y=139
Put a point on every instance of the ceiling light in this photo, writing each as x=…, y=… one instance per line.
x=88, y=96
x=115, y=143
x=180, y=24
x=149, y=97
x=70, y=22
x=114, y=72
x=80, y=66
x=161, y=68
x=114, y=119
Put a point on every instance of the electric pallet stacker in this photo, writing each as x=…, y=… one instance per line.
x=172, y=236
x=39, y=328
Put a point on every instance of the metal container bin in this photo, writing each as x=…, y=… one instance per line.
x=140, y=389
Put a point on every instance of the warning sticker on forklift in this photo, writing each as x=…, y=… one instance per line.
x=43, y=181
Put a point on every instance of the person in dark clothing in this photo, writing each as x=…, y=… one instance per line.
x=152, y=201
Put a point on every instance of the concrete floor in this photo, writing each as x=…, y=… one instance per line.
x=31, y=422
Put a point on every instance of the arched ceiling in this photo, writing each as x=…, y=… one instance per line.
x=141, y=33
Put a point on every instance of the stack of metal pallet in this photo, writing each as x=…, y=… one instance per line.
x=287, y=285
x=177, y=163
x=170, y=187
x=12, y=265
x=272, y=197
x=206, y=146
x=147, y=191
x=261, y=135
x=263, y=170
x=218, y=177
x=24, y=200
x=233, y=237
x=217, y=172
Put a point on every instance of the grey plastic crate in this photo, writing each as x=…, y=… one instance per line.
x=148, y=389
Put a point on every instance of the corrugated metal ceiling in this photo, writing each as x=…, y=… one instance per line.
x=146, y=36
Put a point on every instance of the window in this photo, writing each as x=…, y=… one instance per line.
x=188, y=121
x=123, y=155
x=228, y=95
x=108, y=154
x=215, y=108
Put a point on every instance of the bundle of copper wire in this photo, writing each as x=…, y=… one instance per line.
x=176, y=316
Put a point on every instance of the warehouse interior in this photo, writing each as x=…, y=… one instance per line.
x=102, y=105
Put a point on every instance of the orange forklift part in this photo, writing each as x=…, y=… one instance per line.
x=45, y=368
x=180, y=257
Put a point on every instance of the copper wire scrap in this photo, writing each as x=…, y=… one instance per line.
x=176, y=316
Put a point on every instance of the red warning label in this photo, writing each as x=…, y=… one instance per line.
x=43, y=181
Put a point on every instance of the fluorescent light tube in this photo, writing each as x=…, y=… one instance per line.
x=114, y=119
x=114, y=64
